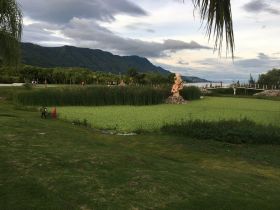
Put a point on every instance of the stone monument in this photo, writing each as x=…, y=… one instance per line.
x=122, y=83
x=178, y=85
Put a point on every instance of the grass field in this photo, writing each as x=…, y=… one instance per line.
x=52, y=164
x=129, y=118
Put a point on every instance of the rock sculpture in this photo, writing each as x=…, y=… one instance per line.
x=178, y=85
x=122, y=83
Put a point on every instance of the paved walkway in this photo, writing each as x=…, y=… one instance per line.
x=11, y=85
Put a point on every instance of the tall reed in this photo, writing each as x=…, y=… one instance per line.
x=99, y=96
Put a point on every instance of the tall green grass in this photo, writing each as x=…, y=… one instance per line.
x=232, y=131
x=99, y=96
x=191, y=93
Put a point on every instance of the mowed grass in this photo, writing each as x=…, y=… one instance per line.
x=130, y=118
x=51, y=164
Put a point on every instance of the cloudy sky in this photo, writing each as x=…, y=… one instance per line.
x=167, y=32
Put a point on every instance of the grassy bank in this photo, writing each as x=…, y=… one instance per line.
x=129, y=118
x=48, y=164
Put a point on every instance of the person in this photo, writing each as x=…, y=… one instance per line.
x=44, y=112
x=53, y=113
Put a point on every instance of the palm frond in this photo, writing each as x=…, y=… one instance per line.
x=218, y=17
x=10, y=31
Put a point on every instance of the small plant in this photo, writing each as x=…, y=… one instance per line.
x=27, y=85
x=83, y=123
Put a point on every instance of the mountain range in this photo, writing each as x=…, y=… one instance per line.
x=93, y=59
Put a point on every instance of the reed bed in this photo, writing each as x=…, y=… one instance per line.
x=100, y=96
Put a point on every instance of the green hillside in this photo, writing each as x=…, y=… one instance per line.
x=97, y=60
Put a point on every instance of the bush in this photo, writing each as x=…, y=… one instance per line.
x=232, y=131
x=191, y=93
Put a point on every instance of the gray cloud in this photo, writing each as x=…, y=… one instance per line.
x=43, y=34
x=256, y=6
x=261, y=63
x=140, y=26
x=89, y=33
x=182, y=62
x=62, y=11
x=150, y=30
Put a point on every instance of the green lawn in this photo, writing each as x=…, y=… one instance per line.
x=48, y=164
x=129, y=118
x=51, y=164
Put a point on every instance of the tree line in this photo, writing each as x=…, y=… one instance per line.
x=271, y=78
x=60, y=75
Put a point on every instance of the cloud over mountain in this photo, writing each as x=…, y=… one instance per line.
x=79, y=23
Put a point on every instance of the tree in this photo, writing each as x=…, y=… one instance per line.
x=171, y=78
x=271, y=78
x=251, y=80
x=132, y=72
x=10, y=31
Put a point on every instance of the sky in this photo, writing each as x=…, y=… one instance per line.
x=167, y=32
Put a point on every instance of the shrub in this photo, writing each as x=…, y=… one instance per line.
x=191, y=93
x=232, y=131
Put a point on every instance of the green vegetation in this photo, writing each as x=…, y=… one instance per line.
x=51, y=164
x=191, y=93
x=10, y=31
x=229, y=91
x=131, y=118
x=97, y=96
x=100, y=95
x=232, y=131
x=93, y=59
x=271, y=78
x=59, y=75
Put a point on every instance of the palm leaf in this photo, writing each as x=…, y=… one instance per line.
x=218, y=17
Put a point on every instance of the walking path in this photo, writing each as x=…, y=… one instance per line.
x=11, y=85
